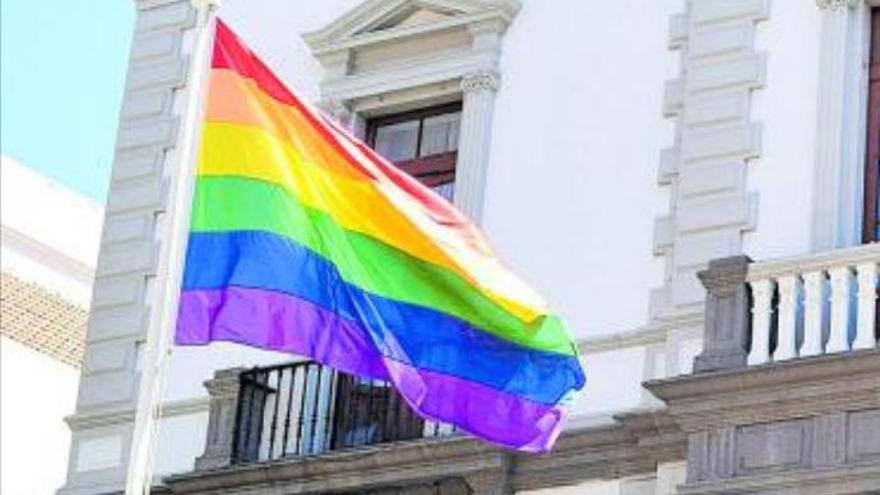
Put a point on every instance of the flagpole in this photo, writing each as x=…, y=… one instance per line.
x=165, y=298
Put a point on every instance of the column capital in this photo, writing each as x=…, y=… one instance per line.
x=481, y=81
x=836, y=4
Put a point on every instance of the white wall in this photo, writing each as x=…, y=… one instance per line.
x=783, y=175
x=37, y=393
x=572, y=190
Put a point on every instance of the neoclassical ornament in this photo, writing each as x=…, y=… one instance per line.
x=480, y=81
x=836, y=4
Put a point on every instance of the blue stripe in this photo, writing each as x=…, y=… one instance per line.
x=422, y=337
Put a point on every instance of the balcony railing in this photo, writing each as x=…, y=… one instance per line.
x=305, y=408
x=817, y=304
x=778, y=310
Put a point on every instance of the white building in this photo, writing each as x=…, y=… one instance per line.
x=48, y=250
x=610, y=150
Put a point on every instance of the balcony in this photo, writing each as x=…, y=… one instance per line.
x=306, y=409
x=785, y=397
x=302, y=410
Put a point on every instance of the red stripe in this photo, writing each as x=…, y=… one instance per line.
x=230, y=53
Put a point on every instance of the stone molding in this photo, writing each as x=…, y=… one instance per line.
x=836, y=4
x=773, y=392
x=635, y=443
x=782, y=428
x=481, y=81
x=390, y=465
x=480, y=24
x=813, y=262
x=80, y=272
x=861, y=480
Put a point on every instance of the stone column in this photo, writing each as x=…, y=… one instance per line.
x=224, y=389
x=474, y=140
x=726, y=334
x=340, y=112
x=134, y=240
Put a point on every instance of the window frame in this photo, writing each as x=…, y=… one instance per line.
x=432, y=170
x=419, y=114
x=870, y=213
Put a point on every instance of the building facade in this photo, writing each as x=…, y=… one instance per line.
x=47, y=256
x=692, y=183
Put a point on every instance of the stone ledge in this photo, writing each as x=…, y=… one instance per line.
x=634, y=444
x=841, y=481
x=396, y=464
x=773, y=392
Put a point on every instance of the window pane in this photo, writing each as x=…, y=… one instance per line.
x=398, y=141
x=440, y=134
x=446, y=190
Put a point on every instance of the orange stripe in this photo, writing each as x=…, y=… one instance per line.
x=237, y=100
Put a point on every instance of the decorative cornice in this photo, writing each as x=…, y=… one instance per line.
x=353, y=28
x=480, y=81
x=836, y=4
x=123, y=415
x=773, y=392
x=655, y=332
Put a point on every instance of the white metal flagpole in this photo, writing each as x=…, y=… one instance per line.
x=164, y=303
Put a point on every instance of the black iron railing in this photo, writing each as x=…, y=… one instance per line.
x=305, y=408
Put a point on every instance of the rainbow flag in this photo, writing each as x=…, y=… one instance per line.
x=303, y=240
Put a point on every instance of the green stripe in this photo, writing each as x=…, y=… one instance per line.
x=238, y=203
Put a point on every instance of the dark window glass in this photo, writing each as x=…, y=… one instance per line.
x=423, y=143
x=871, y=230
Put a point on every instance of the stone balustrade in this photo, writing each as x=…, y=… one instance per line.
x=815, y=304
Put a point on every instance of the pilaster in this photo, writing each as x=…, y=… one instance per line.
x=705, y=168
x=726, y=337
x=145, y=160
x=840, y=137
x=223, y=390
x=479, y=91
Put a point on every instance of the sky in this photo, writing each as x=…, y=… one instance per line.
x=62, y=73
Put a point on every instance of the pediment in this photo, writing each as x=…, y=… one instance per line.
x=387, y=18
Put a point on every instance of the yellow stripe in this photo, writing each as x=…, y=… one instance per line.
x=237, y=100
x=357, y=205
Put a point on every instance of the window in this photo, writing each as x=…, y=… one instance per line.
x=423, y=143
x=871, y=228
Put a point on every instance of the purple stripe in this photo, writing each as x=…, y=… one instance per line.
x=264, y=319
x=499, y=417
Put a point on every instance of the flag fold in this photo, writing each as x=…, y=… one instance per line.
x=305, y=241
